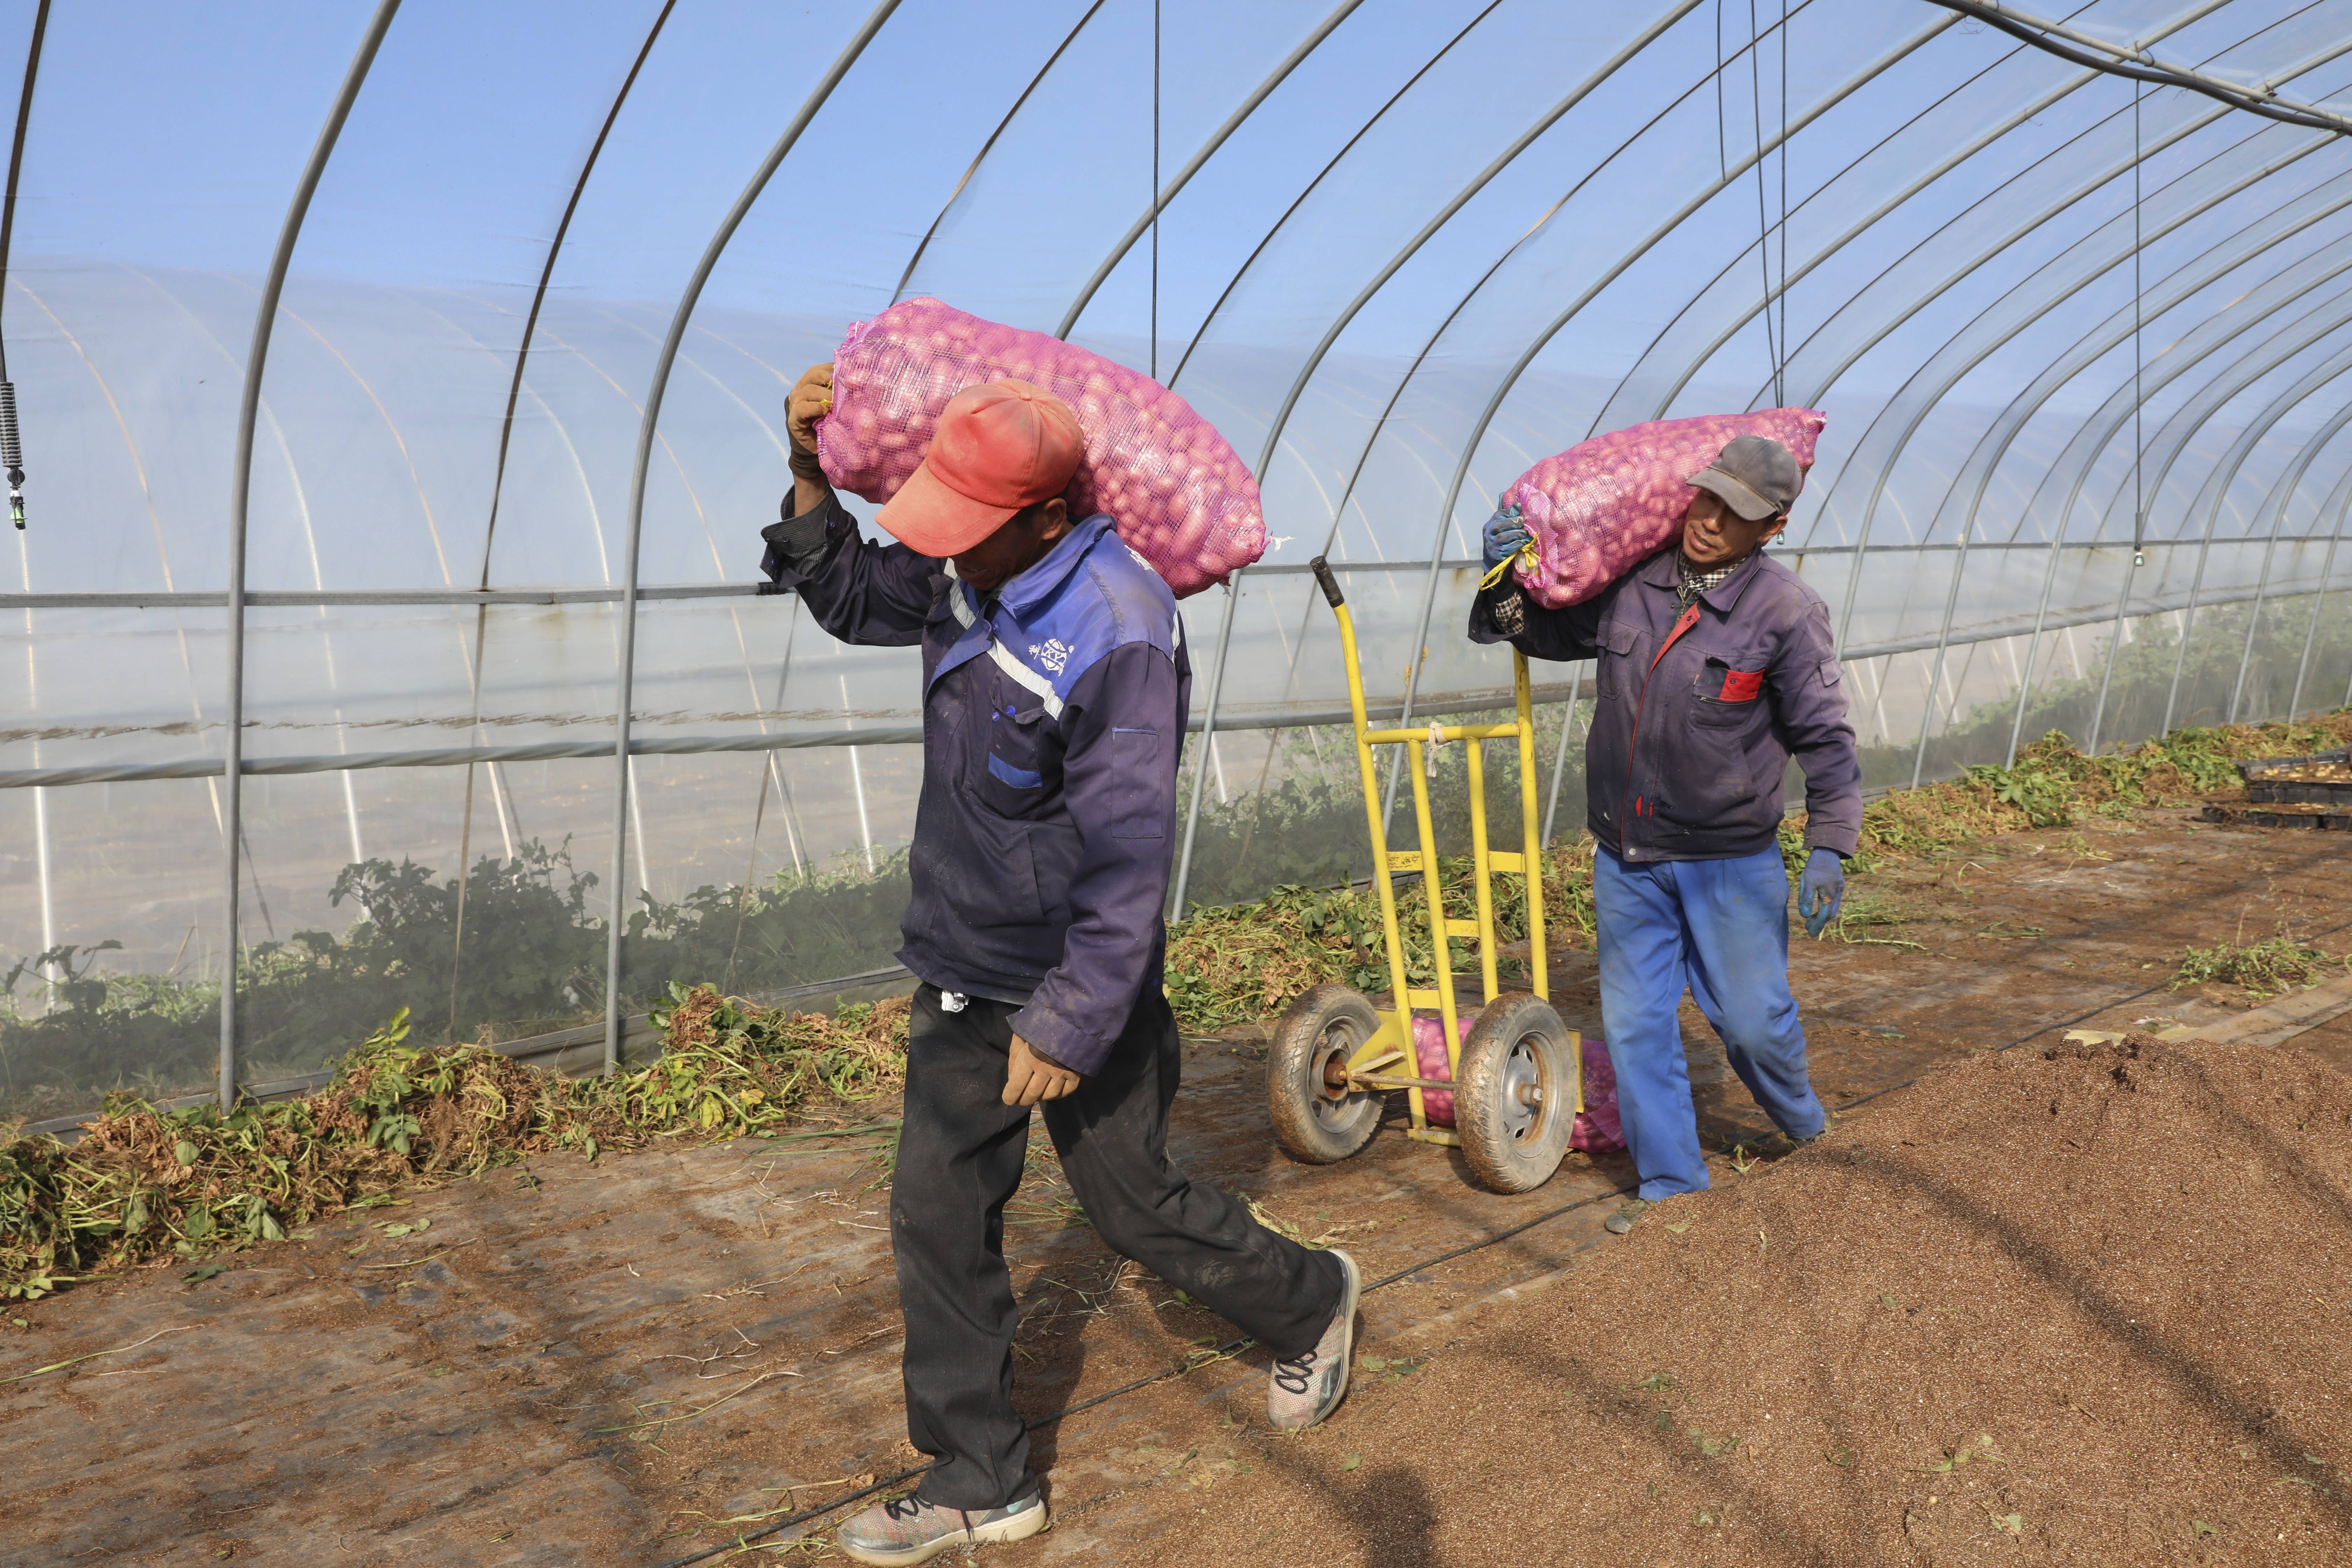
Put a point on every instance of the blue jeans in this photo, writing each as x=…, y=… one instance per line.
x=1721, y=928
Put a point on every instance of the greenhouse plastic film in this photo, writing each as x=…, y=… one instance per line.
x=1599, y=509
x=1181, y=496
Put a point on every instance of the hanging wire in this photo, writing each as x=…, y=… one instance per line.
x=1763, y=219
x=12, y=449
x=2139, y=445
x=1778, y=391
x=1155, y=190
x=1722, y=150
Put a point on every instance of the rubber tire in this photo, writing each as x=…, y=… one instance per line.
x=1312, y=1126
x=1507, y=1151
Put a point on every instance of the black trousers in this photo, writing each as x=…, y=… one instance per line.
x=959, y=1156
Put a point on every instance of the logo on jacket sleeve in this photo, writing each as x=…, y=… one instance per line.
x=1053, y=653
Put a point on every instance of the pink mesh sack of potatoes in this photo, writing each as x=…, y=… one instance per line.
x=1599, y=509
x=1181, y=497
x=1596, y=1129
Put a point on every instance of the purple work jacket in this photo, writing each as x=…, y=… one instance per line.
x=1052, y=714
x=1699, y=712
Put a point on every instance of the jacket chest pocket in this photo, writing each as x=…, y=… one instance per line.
x=1620, y=646
x=1019, y=767
x=1729, y=690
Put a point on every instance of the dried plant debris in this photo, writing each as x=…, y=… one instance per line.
x=2272, y=967
x=145, y=1182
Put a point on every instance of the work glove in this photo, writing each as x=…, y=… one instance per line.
x=809, y=401
x=1821, y=890
x=1506, y=536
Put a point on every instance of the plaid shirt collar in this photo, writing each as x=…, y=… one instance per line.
x=1689, y=583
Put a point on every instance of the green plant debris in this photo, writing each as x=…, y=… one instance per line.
x=2272, y=967
x=145, y=1181
x=1980, y=1452
x=1353, y=1461
x=1244, y=962
x=2199, y=1527
x=1712, y=1447
x=2054, y=785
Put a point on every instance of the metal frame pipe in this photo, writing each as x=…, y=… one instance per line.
x=1936, y=675
x=1207, y=150
x=647, y=425
x=2341, y=500
x=2282, y=494
x=1208, y=737
x=1445, y=214
x=1310, y=187
x=1559, y=757
x=1731, y=173
x=240, y=495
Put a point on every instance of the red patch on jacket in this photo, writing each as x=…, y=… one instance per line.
x=1742, y=685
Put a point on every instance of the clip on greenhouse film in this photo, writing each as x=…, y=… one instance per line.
x=1181, y=497
x=1599, y=509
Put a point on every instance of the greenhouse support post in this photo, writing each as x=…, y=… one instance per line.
x=2254, y=620
x=1559, y=757
x=240, y=496
x=1208, y=735
x=2033, y=642
x=1943, y=643
x=2115, y=642
x=647, y=427
x=2189, y=619
x=2319, y=601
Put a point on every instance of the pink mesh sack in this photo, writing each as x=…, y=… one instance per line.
x=1597, y=1129
x=1181, y=497
x=1599, y=509
x=1429, y=1053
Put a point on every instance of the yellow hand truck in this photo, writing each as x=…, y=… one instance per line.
x=1518, y=1078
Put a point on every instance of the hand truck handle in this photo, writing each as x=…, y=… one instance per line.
x=1323, y=574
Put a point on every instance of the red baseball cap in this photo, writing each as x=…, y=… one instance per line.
x=998, y=447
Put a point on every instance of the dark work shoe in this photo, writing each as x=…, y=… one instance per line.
x=1626, y=1212
x=911, y=1530
x=1829, y=1125
x=1307, y=1388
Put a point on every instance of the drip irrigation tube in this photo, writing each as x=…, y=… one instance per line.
x=1207, y=1358
x=1235, y=1347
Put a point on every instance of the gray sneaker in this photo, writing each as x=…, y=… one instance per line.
x=1621, y=1221
x=912, y=1531
x=1306, y=1388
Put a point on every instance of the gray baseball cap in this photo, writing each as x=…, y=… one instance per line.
x=1755, y=476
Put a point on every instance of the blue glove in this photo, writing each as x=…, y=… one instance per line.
x=1506, y=536
x=1821, y=890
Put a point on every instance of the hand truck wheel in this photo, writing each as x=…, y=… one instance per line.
x=1315, y=1115
x=1516, y=1103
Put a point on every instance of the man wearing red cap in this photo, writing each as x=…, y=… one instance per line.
x=1055, y=687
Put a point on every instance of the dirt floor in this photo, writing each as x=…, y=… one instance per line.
x=2082, y=1305
x=608, y=1362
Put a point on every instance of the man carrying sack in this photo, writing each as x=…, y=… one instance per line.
x=1715, y=667
x=1054, y=684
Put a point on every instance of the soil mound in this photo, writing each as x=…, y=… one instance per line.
x=2090, y=1305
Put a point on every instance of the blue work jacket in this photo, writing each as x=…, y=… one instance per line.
x=1052, y=716
x=1699, y=712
